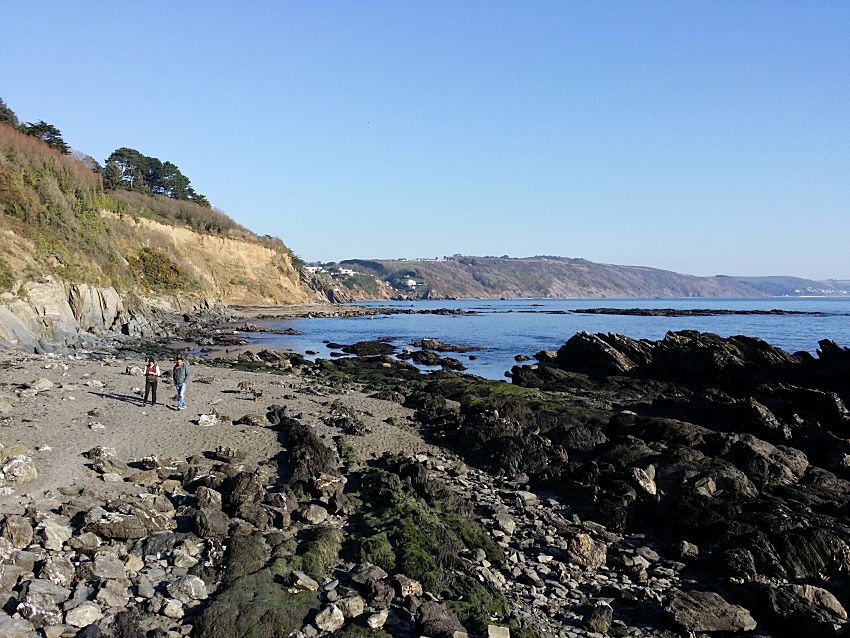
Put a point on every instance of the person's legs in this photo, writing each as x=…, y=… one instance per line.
x=153, y=392
x=181, y=396
x=147, y=392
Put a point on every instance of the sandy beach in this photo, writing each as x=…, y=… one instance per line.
x=96, y=403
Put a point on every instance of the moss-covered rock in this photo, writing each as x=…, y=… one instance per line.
x=254, y=600
x=403, y=533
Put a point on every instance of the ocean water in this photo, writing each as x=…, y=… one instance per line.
x=507, y=328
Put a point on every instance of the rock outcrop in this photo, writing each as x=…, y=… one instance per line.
x=50, y=314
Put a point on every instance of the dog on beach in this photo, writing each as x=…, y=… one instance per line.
x=248, y=389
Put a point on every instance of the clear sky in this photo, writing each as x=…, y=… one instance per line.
x=703, y=137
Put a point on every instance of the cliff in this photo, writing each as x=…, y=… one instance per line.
x=74, y=257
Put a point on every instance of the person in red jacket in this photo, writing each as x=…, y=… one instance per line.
x=151, y=380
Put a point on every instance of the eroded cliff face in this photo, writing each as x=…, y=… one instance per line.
x=42, y=311
x=232, y=271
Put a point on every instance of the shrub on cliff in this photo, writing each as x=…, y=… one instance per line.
x=7, y=277
x=157, y=270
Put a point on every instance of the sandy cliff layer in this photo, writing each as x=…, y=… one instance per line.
x=44, y=311
x=233, y=271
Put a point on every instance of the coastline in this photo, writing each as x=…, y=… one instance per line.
x=554, y=493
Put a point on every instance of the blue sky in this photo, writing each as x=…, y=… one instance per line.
x=703, y=137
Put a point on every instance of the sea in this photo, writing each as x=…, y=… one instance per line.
x=506, y=328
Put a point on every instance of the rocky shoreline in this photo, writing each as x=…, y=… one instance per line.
x=693, y=486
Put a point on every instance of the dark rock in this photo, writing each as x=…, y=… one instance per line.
x=703, y=611
x=368, y=348
x=307, y=456
x=243, y=489
x=801, y=610
x=439, y=346
x=209, y=522
x=598, y=619
x=434, y=620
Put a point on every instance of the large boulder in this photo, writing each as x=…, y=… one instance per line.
x=40, y=602
x=593, y=354
x=434, y=620
x=802, y=610
x=705, y=611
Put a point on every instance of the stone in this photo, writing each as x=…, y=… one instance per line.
x=351, y=606
x=86, y=613
x=180, y=558
x=598, y=619
x=494, y=631
x=15, y=627
x=330, y=619
x=229, y=454
x=172, y=609
x=134, y=563
x=207, y=420
x=436, y=621
x=114, y=594
x=54, y=631
x=40, y=603
x=705, y=611
x=366, y=572
x=314, y=514
x=9, y=575
x=145, y=477
x=303, y=581
x=804, y=610
x=405, y=586
x=378, y=619
x=641, y=479
x=86, y=542
x=145, y=589
x=59, y=570
x=18, y=530
x=527, y=498
x=208, y=497
x=40, y=385
x=505, y=522
x=187, y=589
x=18, y=469
x=55, y=533
x=104, y=461
x=120, y=527
x=108, y=566
x=209, y=523
x=92, y=631
x=583, y=551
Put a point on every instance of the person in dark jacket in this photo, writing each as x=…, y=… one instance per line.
x=151, y=380
x=180, y=374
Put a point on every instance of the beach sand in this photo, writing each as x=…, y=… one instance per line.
x=95, y=403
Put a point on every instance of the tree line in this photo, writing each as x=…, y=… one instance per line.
x=125, y=168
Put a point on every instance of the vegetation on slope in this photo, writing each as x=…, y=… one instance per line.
x=58, y=219
x=541, y=277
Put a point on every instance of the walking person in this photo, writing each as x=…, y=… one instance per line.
x=180, y=374
x=151, y=380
